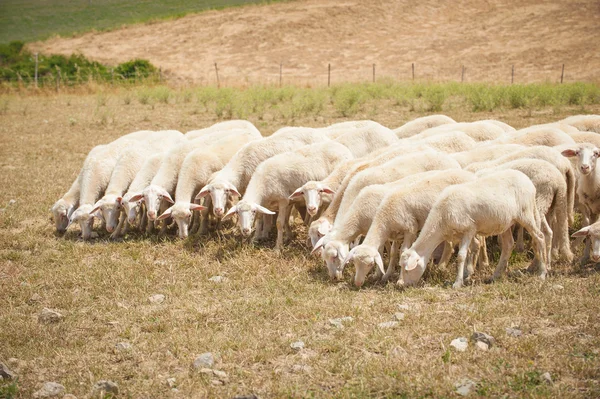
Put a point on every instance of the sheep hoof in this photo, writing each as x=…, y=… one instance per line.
x=457, y=285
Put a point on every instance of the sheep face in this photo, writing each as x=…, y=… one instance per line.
x=587, y=155
x=153, y=195
x=334, y=253
x=413, y=265
x=110, y=207
x=246, y=212
x=318, y=229
x=219, y=192
x=593, y=233
x=313, y=195
x=131, y=208
x=182, y=213
x=85, y=219
x=61, y=211
x=364, y=258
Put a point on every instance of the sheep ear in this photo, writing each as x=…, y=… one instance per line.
x=166, y=214
x=379, y=262
x=569, y=152
x=582, y=233
x=196, y=207
x=203, y=193
x=412, y=264
x=137, y=197
x=233, y=191
x=318, y=245
x=296, y=194
x=230, y=212
x=96, y=208
x=264, y=210
x=349, y=258
x=69, y=224
x=167, y=197
x=120, y=200
x=327, y=190
x=322, y=230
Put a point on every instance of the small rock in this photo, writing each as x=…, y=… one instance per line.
x=171, y=382
x=48, y=316
x=301, y=368
x=483, y=337
x=482, y=346
x=403, y=306
x=101, y=388
x=547, y=378
x=12, y=202
x=35, y=298
x=205, y=370
x=388, y=324
x=69, y=396
x=558, y=287
x=460, y=344
x=220, y=374
x=217, y=279
x=50, y=390
x=5, y=372
x=205, y=360
x=157, y=298
x=399, y=316
x=464, y=387
x=513, y=332
x=217, y=382
x=298, y=345
x=123, y=347
x=339, y=323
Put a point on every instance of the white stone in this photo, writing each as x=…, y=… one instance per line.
x=460, y=344
x=171, y=382
x=156, y=298
x=50, y=390
x=217, y=279
x=482, y=346
x=388, y=324
x=399, y=316
x=464, y=387
x=48, y=316
x=298, y=345
x=204, y=360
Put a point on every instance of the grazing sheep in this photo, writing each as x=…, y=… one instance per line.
x=585, y=123
x=64, y=207
x=506, y=127
x=485, y=153
x=489, y=205
x=399, y=216
x=478, y=131
x=223, y=126
x=235, y=176
x=275, y=179
x=593, y=233
x=548, y=136
x=196, y=169
x=448, y=142
x=365, y=140
x=586, y=137
x=564, y=127
x=416, y=126
x=163, y=184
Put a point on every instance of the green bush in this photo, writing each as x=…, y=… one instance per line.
x=136, y=68
x=348, y=99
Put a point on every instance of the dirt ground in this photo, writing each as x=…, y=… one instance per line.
x=267, y=301
x=439, y=37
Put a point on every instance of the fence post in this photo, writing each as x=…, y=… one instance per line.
x=512, y=75
x=112, y=76
x=462, y=75
x=36, y=70
x=328, y=75
x=562, y=74
x=413, y=71
x=373, y=73
x=280, y=72
x=217, y=72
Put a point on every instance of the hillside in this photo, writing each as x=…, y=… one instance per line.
x=249, y=43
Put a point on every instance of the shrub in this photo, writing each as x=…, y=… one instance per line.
x=136, y=68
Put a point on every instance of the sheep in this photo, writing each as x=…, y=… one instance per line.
x=64, y=207
x=196, y=169
x=275, y=179
x=585, y=123
x=235, y=175
x=564, y=127
x=485, y=153
x=551, y=200
x=400, y=214
x=448, y=142
x=506, y=127
x=555, y=158
x=394, y=169
x=164, y=182
x=549, y=136
x=364, y=140
x=489, y=205
x=478, y=131
x=223, y=126
x=593, y=233
x=586, y=137
x=416, y=126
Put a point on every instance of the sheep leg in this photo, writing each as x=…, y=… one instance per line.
x=446, y=255
x=507, y=242
x=378, y=275
x=287, y=229
x=284, y=213
x=121, y=226
x=586, y=253
x=538, y=239
x=561, y=227
x=393, y=262
x=520, y=240
x=472, y=257
x=407, y=241
x=461, y=257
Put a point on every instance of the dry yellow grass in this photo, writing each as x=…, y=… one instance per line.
x=266, y=303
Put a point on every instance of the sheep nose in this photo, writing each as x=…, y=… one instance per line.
x=219, y=211
x=596, y=258
x=131, y=220
x=585, y=168
x=312, y=210
x=246, y=231
x=151, y=215
x=358, y=284
x=110, y=229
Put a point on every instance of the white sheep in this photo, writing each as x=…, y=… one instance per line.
x=478, y=131
x=506, y=127
x=223, y=126
x=586, y=137
x=485, y=153
x=275, y=179
x=563, y=127
x=585, y=123
x=195, y=171
x=163, y=185
x=398, y=216
x=548, y=136
x=365, y=140
x=489, y=205
x=64, y=207
x=448, y=142
x=592, y=232
x=235, y=176
x=416, y=126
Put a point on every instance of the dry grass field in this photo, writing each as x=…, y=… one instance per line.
x=267, y=301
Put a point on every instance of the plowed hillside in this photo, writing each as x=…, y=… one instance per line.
x=249, y=43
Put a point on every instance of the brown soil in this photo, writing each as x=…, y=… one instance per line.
x=249, y=43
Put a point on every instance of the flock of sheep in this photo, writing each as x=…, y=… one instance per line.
x=415, y=192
